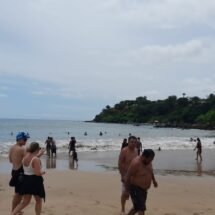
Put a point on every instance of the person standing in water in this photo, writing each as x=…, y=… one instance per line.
x=199, y=149
x=48, y=146
x=139, y=146
x=72, y=145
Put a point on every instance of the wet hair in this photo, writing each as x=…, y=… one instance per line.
x=131, y=137
x=125, y=140
x=33, y=147
x=148, y=153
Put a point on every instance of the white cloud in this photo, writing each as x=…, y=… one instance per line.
x=190, y=51
x=107, y=49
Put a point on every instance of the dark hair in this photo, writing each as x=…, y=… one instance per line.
x=33, y=147
x=131, y=137
x=148, y=153
x=125, y=140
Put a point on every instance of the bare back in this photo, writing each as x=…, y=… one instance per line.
x=16, y=154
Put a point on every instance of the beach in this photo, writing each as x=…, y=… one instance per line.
x=80, y=193
x=95, y=188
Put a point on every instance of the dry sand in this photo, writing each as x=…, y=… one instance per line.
x=80, y=193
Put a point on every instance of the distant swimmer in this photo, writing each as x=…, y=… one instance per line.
x=199, y=149
x=11, y=133
x=85, y=133
x=68, y=133
x=100, y=134
x=159, y=149
x=130, y=134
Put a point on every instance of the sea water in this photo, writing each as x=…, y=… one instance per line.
x=111, y=139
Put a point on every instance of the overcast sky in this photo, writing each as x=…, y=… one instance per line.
x=68, y=59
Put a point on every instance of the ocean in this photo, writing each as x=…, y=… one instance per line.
x=113, y=134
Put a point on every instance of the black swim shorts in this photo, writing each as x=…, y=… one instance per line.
x=138, y=197
x=16, y=179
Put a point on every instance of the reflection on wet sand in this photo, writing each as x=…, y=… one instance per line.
x=72, y=165
x=199, y=168
x=50, y=163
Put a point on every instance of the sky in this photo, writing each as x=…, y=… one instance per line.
x=69, y=59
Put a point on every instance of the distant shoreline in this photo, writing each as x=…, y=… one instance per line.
x=162, y=125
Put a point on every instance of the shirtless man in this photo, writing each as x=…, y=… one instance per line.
x=125, y=158
x=16, y=154
x=138, y=181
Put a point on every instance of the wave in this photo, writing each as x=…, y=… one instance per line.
x=86, y=145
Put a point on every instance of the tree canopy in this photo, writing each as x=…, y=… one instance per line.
x=170, y=111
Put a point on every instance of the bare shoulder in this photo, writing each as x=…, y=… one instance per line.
x=135, y=161
x=35, y=161
x=124, y=151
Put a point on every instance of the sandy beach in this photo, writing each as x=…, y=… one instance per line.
x=80, y=193
x=185, y=186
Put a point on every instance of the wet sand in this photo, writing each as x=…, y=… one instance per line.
x=171, y=162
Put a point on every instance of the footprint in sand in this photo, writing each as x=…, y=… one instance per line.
x=97, y=202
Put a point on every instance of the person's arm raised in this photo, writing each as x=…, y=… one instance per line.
x=41, y=152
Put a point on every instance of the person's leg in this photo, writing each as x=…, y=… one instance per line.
x=22, y=205
x=200, y=155
x=16, y=200
x=132, y=212
x=38, y=205
x=124, y=198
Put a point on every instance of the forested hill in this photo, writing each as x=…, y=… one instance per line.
x=173, y=111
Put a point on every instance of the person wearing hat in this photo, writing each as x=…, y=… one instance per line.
x=16, y=154
x=32, y=184
x=139, y=178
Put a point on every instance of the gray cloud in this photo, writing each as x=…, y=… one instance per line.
x=108, y=49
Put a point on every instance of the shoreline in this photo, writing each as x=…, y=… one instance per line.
x=182, y=126
x=167, y=162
